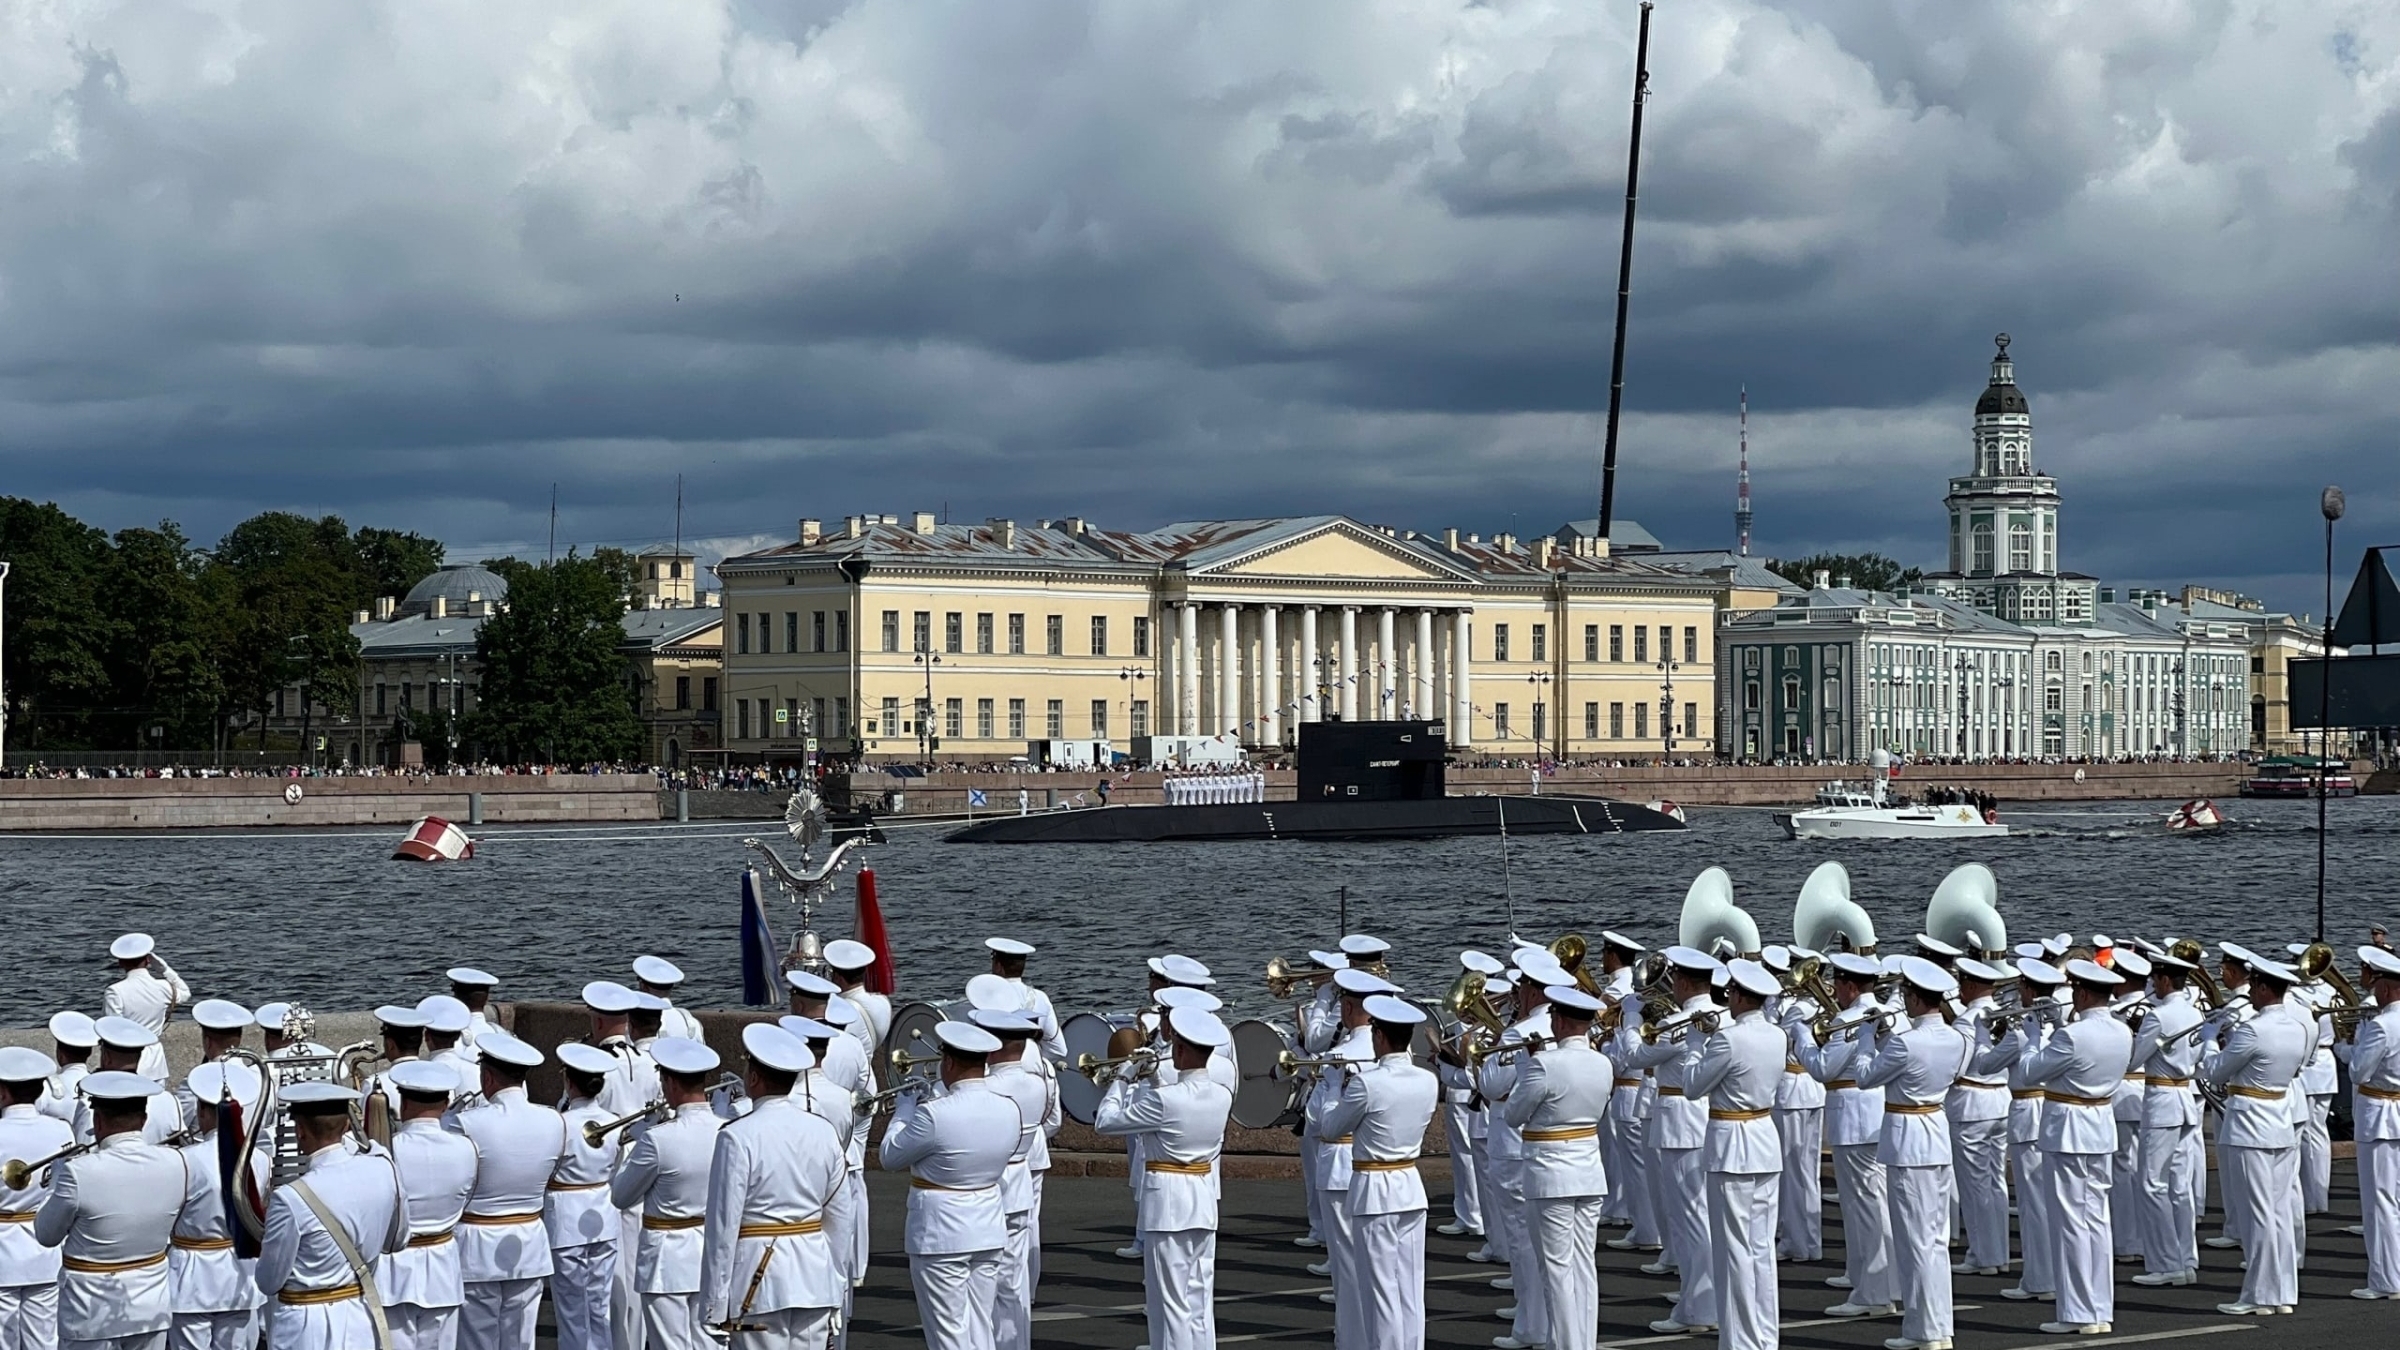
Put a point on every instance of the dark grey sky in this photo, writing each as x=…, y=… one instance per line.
x=1150, y=261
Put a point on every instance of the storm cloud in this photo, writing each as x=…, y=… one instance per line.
x=416, y=262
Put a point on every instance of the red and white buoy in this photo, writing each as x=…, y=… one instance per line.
x=434, y=839
x=2197, y=814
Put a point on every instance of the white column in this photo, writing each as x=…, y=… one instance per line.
x=1229, y=669
x=1387, y=667
x=1312, y=708
x=1421, y=668
x=1187, y=669
x=1462, y=680
x=1349, y=676
x=1270, y=677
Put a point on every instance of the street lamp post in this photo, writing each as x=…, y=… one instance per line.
x=1132, y=676
x=1667, y=666
x=3, y=665
x=2183, y=747
x=927, y=742
x=1965, y=665
x=1540, y=680
x=2330, y=505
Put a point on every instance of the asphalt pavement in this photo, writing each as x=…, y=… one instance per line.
x=1091, y=1298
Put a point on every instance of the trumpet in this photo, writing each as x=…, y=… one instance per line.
x=2041, y=1010
x=902, y=1061
x=2217, y=1017
x=1702, y=1020
x=1140, y=1063
x=1289, y=1063
x=1285, y=979
x=876, y=1101
x=17, y=1171
x=596, y=1132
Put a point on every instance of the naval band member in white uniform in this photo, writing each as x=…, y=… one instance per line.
x=112, y=1213
x=2173, y=1167
x=124, y=1044
x=850, y=962
x=658, y=976
x=1799, y=1127
x=1739, y=1068
x=28, y=1269
x=1854, y=1131
x=1915, y=1066
x=1556, y=1104
x=2079, y=1065
x=1678, y=1140
x=2373, y=1057
x=1354, y=1044
x=215, y=1299
x=422, y=1289
x=474, y=988
x=956, y=1145
x=73, y=1036
x=503, y=1252
x=2258, y=1138
x=584, y=1226
x=665, y=1176
x=776, y=1194
x=1979, y=1109
x=1508, y=1214
x=1180, y=1114
x=316, y=1264
x=1386, y=1107
x=146, y=994
x=221, y=1024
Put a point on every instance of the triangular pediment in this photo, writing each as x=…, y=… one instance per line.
x=1335, y=550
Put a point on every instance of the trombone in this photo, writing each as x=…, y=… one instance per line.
x=17, y=1171
x=1289, y=1063
x=1285, y=979
x=876, y=1101
x=1702, y=1020
x=2218, y=1017
x=597, y=1132
x=1139, y=1064
x=2189, y=951
x=2040, y=1010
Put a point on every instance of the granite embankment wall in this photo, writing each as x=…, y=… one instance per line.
x=1709, y=785
x=41, y=805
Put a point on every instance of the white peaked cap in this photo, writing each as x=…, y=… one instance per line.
x=585, y=1059
x=1938, y=947
x=116, y=1085
x=681, y=1054
x=132, y=947
x=608, y=996
x=1386, y=1008
x=315, y=1092
x=1572, y=998
x=425, y=1077
x=125, y=1033
x=1354, y=981
x=840, y=1011
x=966, y=1038
x=444, y=1014
x=1364, y=944
x=2092, y=972
x=1198, y=1027
x=1183, y=996
x=1008, y=946
x=209, y=1082
x=1539, y=966
x=470, y=975
x=811, y=983
x=1010, y=1021
x=849, y=954
x=74, y=1028
x=2040, y=972
x=1927, y=977
x=401, y=1015
x=2383, y=963
x=1753, y=977
x=1482, y=963
x=807, y=1028
x=218, y=1014
x=20, y=1065
x=2133, y=964
x=507, y=1049
x=656, y=970
x=1980, y=970
x=1851, y=964
x=774, y=1048
x=991, y=991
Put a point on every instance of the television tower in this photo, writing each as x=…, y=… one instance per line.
x=1741, y=500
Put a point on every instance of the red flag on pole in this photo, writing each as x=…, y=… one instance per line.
x=882, y=977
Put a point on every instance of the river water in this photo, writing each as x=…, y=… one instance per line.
x=323, y=918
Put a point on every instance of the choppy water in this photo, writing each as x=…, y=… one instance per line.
x=324, y=918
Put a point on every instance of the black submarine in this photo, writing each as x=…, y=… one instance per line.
x=1357, y=781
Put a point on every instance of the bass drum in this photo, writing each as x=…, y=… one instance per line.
x=912, y=1034
x=1102, y=1036
x=1423, y=1046
x=1267, y=1098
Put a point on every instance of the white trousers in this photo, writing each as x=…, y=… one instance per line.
x=1495, y=1201
x=2379, y=1211
x=2316, y=1156
x=672, y=1322
x=2037, y=1220
x=955, y=1292
x=1685, y=1191
x=1308, y=1183
x=213, y=1331
x=1180, y=1291
x=415, y=1328
x=1800, y=1192
x=1866, y=1224
x=1617, y=1205
x=1979, y=1162
x=2262, y=1187
x=1641, y=1196
x=582, y=1284
x=2172, y=1157
x=627, y=1328
x=1566, y=1233
x=1466, y=1198
x=789, y=1329
x=1033, y=1235
x=1391, y=1262
x=1920, y=1249
x=499, y=1314
x=1741, y=1221
x=29, y=1317
x=2225, y=1165
x=2125, y=1203
x=1341, y=1253
x=2079, y=1191
x=1012, y=1302
x=1532, y=1321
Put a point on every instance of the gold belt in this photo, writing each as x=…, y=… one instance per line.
x=84, y=1265
x=795, y=1228
x=2258, y=1094
x=1912, y=1108
x=303, y=1298
x=1383, y=1164
x=16, y=1216
x=1794, y=1066
x=2161, y=1080
x=202, y=1244
x=1670, y=1092
x=2025, y=1094
x=1727, y=1113
x=921, y=1184
x=1180, y=1169
x=2070, y=1099
x=431, y=1239
x=1843, y=1084
x=1562, y=1134
x=2379, y=1094
x=576, y=1186
x=2134, y=1077
x=498, y=1220
x=667, y=1223
x=1629, y=1082
x=1343, y=1140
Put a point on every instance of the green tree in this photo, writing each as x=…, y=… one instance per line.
x=57, y=674
x=296, y=583
x=554, y=685
x=1866, y=571
x=391, y=561
x=164, y=612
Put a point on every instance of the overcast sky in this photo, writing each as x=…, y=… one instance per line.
x=414, y=261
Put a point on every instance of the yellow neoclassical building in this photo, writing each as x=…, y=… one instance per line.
x=896, y=639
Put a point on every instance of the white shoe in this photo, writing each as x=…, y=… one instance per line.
x=2166, y=1279
x=2356, y=1230
x=1308, y=1242
x=2244, y=1309
x=2371, y=1293
x=1320, y=1268
x=2075, y=1328
x=1482, y=1255
x=1132, y=1252
x=1623, y=1244
x=1657, y=1268
x=1457, y=1230
x=1512, y=1343
x=1668, y=1326
x=1962, y=1268
x=2220, y=1242
x=2022, y=1294
x=1904, y=1343
x=1837, y=1281
x=1326, y=1297
x=1506, y=1282
x=1861, y=1310
x=1507, y=1314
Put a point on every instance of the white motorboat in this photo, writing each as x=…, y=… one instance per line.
x=1876, y=815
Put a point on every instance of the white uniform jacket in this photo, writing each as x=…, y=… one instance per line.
x=517, y=1148
x=845, y=1065
x=1915, y=1067
x=437, y=1174
x=1385, y=1109
x=146, y=995
x=60, y=1101
x=1799, y=1090
x=1979, y=1095
x=1502, y=1141
x=873, y=1009
x=2168, y=1098
x=631, y=1083
x=1031, y=1092
x=575, y=1203
x=25, y=1132
x=1181, y=1121
x=114, y=1210
x=1324, y=1093
x=1321, y=1021
x=1853, y=1115
x=161, y=1118
x=956, y=1148
x=2375, y=1076
x=665, y=1175
x=1678, y=1119
x=1738, y=1069
x=362, y=1191
x=2078, y=1066
x=203, y=1275
x=675, y=1021
x=1053, y=1041
x=1555, y=1109
x=776, y=1187
x=2256, y=1068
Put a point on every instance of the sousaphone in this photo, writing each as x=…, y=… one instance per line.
x=1826, y=919
x=1710, y=914
x=1965, y=911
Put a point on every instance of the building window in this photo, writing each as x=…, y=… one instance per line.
x=791, y=717
x=816, y=718
x=791, y=630
x=954, y=636
x=1616, y=721
x=1981, y=549
x=1691, y=719
x=1641, y=643
x=1016, y=635
x=1641, y=721
x=841, y=717
x=1055, y=721
x=1691, y=646
x=1591, y=721
x=1666, y=643
x=1541, y=649
x=841, y=630
x=2020, y=548
x=1541, y=720
x=1616, y=642
x=380, y=708
x=708, y=693
x=1791, y=693
x=1500, y=715
x=2050, y=699
x=1054, y=634
x=1141, y=638
x=741, y=718
x=983, y=719
x=1500, y=645
x=1139, y=723
x=891, y=630
x=1099, y=719
x=816, y=631
x=1016, y=719
x=921, y=626
x=983, y=635
x=683, y=693
x=741, y=634
x=1591, y=642
x=408, y=698
x=954, y=717
x=1099, y=635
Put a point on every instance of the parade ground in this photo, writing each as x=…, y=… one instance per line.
x=1091, y=1298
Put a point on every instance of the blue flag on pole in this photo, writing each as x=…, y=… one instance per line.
x=760, y=955
x=975, y=797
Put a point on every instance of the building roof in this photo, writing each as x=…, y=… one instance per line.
x=655, y=628
x=2002, y=394
x=1624, y=536
x=455, y=584
x=1749, y=573
x=419, y=635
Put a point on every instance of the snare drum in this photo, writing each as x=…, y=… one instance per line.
x=1097, y=1034
x=1267, y=1098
